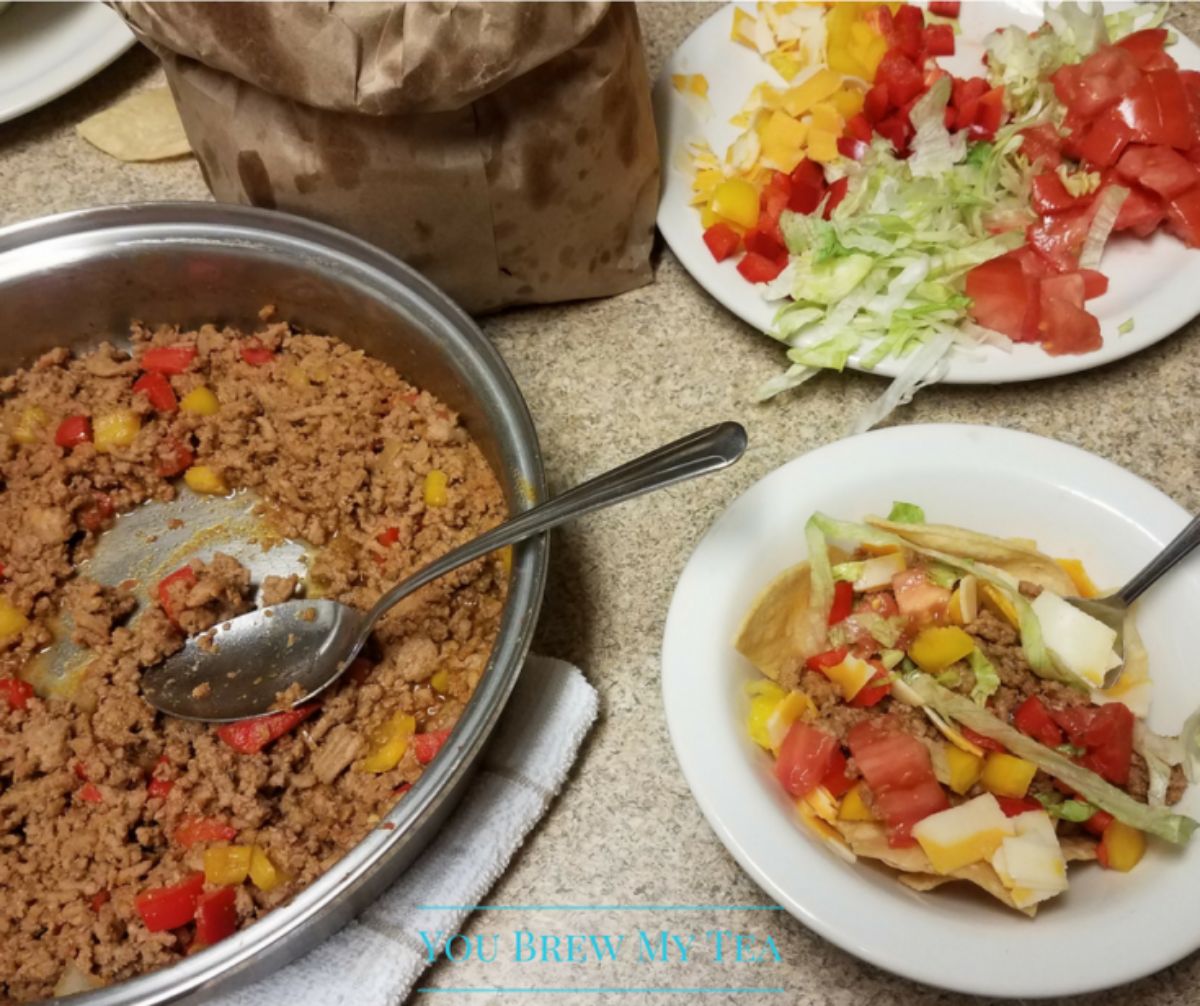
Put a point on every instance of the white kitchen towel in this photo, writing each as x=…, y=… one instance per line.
x=376, y=960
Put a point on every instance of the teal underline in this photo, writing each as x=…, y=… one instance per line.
x=602, y=908
x=611, y=988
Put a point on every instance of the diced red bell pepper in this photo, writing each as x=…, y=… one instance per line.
x=160, y=788
x=979, y=740
x=808, y=187
x=896, y=71
x=174, y=458
x=872, y=693
x=760, y=243
x=94, y=516
x=15, y=692
x=168, y=359
x=185, y=575
x=877, y=103
x=255, y=353
x=760, y=269
x=837, y=192
x=897, y=129
x=858, y=127
x=89, y=792
x=776, y=195
x=854, y=149
x=1033, y=719
x=157, y=389
x=193, y=830
x=1050, y=196
x=830, y=658
x=1013, y=806
x=388, y=536
x=73, y=431
x=945, y=8
x=163, y=908
x=908, y=23
x=835, y=779
x=216, y=915
x=843, y=601
x=1098, y=822
x=426, y=746
x=722, y=241
x=251, y=736
x=939, y=40
x=1183, y=217
x=989, y=117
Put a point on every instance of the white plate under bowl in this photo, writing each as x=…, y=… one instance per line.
x=46, y=49
x=1109, y=927
x=1155, y=282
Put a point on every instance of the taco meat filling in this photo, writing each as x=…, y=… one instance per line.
x=932, y=700
x=128, y=839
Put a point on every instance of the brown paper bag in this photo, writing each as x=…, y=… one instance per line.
x=506, y=150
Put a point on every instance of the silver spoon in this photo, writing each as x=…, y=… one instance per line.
x=254, y=657
x=1111, y=609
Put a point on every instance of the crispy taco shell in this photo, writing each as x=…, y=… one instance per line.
x=781, y=630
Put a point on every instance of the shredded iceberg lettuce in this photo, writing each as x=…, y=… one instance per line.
x=987, y=679
x=906, y=513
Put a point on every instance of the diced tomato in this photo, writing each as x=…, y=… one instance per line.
x=95, y=516
x=193, y=830
x=1102, y=80
x=1105, y=733
x=837, y=192
x=388, y=536
x=15, y=692
x=843, y=601
x=760, y=243
x=1138, y=111
x=1005, y=298
x=168, y=359
x=804, y=758
x=872, y=694
x=722, y=241
x=759, y=269
x=1095, y=284
x=216, y=915
x=1159, y=169
x=1066, y=325
x=945, y=8
x=1059, y=239
x=73, y=431
x=919, y=597
x=426, y=746
x=877, y=104
x=160, y=788
x=990, y=114
x=1012, y=806
x=1098, y=822
x=251, y=736
x=163, y=908
x=99, y=900
x=979, y=740
x=939, y=40
x=1191, y=89
x=89, y=792
x=80, y=770
x=830, y=658
x=158, y=390
x=881, y=602
x=859, y=128
x=184, y=575
x=1141, y=212
x=174, y=458
x=835, y=780
x=899, y=773
x=908, y=24
x=1183, y=217
x=1042, y=143
x=897, y=72
x=1102, y=142
x=1175, y=127
x=1148, y=48
x=1050, y=196
x=1033, y=719
x=255, y=353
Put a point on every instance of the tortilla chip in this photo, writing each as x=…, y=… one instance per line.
x=781, y=630
x=143, y=127
x=1014, y=557
x=979, y=874
x=1078, y=848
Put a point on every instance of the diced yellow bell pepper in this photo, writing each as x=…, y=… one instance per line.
x=965, y=769
x=939, y=646
x=1122, y=847
x=205, y=479
x=736, y=200
x=227, y=864
x=848, y=100
x=786, y=64
x=708, y=218
x=742, y=30
x=1007, y=775
x=389, y=743
x=854, y=805
x=871, y=55
x=265, y=875
x=12, y=619
x=200, y=401
x=822, y=146
x=1083, y=583
x=440, y=680
x=30, y=424
x=997, y=601
x=827, y=118
x=765, y=697
x=839, y=42
x=435, y=488
x=799, y=99
x=115, y=429
x=705, y=183
x=783, y=139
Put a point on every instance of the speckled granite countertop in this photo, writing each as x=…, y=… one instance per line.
x=606, y=380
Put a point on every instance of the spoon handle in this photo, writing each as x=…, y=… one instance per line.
x=707, y=450
x=1180, y=546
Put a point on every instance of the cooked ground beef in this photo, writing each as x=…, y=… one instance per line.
x=1139, y=781
x=277, y=589
x=95, y=787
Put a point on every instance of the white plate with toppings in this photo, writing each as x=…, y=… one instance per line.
x=1152, y=282
x=1109, y=927
x=46, y=49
